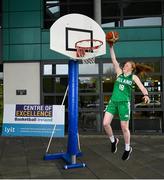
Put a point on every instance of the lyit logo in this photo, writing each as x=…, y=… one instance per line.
x=9, y=130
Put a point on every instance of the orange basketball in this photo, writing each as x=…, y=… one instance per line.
x=112, y=36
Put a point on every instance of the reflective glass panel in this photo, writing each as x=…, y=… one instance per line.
x=147, y=120
x=155, y=101
x=88, y=85
x=109, y=79
x=89, y=102
x=88, y=69
x=149, y=21
x=154, y=65
x=1, y=101
x=48, y=85
x=55, y=84
x=47, y=69
x=89, y=121
x=151, y=82
x=61, y=69
x=108, y=69
x=142, y=8
x=108, y=83
x=114, y=6
x=61, y=84
x=53, y=10
x=106, y=99
x=55, y=100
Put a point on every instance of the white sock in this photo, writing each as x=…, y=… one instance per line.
x=112, y=139
x=127, y=147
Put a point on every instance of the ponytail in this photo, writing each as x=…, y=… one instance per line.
x=142, y=69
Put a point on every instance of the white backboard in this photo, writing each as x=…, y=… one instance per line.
x=69, y=29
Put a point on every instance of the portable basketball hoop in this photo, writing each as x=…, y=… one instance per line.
x=87, y=49
x=80, y=38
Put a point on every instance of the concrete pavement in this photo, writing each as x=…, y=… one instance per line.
x=22, y=157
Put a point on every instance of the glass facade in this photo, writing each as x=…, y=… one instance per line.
x=1, y=67
x=27, y=40
x=95, y=90
x=115, y=13
x=55, y=9
x=96, y=82
x=0, y=31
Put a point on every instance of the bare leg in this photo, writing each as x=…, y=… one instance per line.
x=126, y=132
x=107, y=123
x=107, y=126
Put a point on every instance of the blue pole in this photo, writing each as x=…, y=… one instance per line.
x=72, y=147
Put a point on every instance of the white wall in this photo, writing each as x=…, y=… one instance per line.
x=18, y=76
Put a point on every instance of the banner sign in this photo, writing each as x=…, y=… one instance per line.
x=33, y=120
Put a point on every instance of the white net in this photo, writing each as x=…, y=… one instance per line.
x=87, y=50
x=88, y=61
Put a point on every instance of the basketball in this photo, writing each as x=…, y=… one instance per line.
x=112, y=36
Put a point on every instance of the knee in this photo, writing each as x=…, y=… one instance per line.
x=105, y=124
x=124, y=128
x=107, y=120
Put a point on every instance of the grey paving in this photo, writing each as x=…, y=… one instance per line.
x=22, y=158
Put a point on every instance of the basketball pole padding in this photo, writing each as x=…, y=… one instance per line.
x=72, y=146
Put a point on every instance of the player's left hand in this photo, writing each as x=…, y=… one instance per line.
x=146, y=99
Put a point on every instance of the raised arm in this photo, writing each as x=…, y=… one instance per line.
x=114, y=61
x=142, y=88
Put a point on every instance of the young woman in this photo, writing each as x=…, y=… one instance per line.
x=120, y=102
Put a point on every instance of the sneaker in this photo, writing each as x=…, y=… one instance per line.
x=126, y=154
x=114, y=145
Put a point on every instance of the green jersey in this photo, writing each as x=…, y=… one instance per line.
x=122, y=88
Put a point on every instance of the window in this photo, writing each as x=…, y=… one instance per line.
x=131, y=13
x=155, y=102
x=54, y=84
x=147, y=121
x=53, y=10
x=57, y=100
x=148, y=21
x=89, y=85
x=110, y=14
x=62, y=69
x=96, y=84
x=1, y=101
x=51, y=13
x=109, y=77
x=89, y=121
x=0, y=31
x=89, y=102
x=142, y=13
x=115, y=13
x=58, y=69
x=1, y=67
x=88, y=69
x=108, y=69
x=142, y=8
x=149, y=116
x=47, y=69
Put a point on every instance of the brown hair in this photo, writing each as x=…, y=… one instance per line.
x=140, y=69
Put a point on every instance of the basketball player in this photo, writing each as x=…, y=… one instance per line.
x=120, y=101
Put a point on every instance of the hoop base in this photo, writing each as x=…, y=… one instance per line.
x=67, y=158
